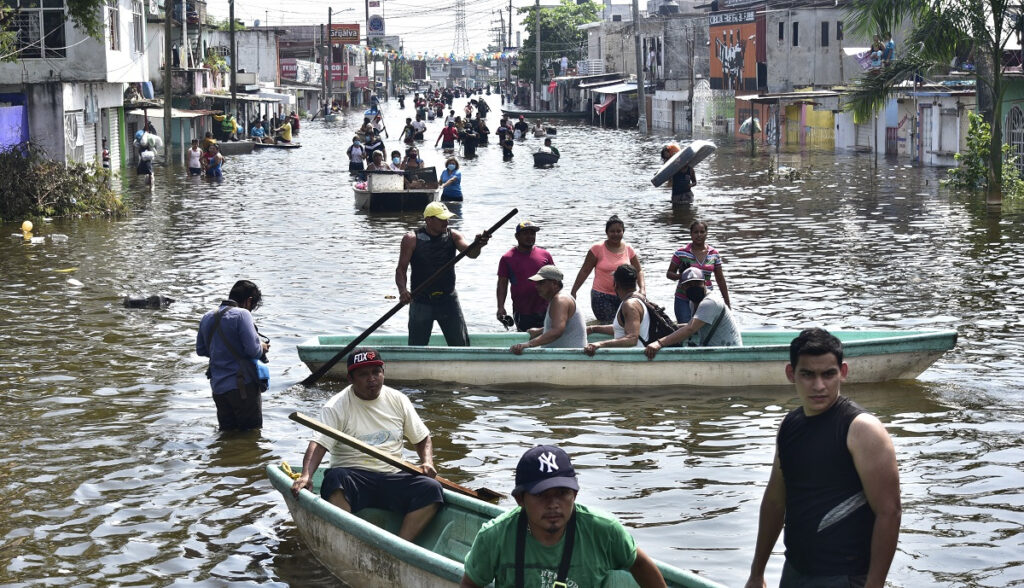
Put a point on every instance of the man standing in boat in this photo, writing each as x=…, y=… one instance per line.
x=563, y=326
x=834, y=485
x=525, y=547
x=516, y=267
x=379, y=416
x=713, y=322
x=427, y=250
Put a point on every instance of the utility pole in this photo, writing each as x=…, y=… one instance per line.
x=167, y=79
x=536, y=65
x=640, y=93
x=323, y=63
x=234, y=50
x=508, y=70
x=330, y=57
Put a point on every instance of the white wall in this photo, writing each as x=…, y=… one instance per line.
x=809, y=63
x=87, y=59
x=257, y=50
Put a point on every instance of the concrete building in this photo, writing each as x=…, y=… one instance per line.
x=66, y=89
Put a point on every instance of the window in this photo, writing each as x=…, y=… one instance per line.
x=839, y=30
x=796, y=34
x=39, y=28
x=138, y=27
x=782, y=32
x=114, y=24
x=824, y=34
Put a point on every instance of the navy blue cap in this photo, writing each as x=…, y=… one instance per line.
x=542, y=468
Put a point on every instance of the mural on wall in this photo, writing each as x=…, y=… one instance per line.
x=733, y=51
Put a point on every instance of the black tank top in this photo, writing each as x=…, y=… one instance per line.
x=828, y=521
x=430, y=255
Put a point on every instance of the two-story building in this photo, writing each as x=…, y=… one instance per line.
x=69, y=86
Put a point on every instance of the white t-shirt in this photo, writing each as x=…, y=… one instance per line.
x=357, y=154
x=381, y=422
x=419, y=126
x=728, y=332
x=193, y=156
x=147, y=155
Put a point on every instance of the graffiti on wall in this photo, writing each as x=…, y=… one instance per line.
x=733, y=55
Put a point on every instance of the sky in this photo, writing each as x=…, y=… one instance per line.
x=424, y=25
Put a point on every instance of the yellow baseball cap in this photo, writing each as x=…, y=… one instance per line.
x=438, y=210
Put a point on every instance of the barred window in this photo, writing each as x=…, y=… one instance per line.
x=114, y=24
x=39, y=28
x=138, y=27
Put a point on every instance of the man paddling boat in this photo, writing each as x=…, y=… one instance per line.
x=379, y=416
x=525, y=546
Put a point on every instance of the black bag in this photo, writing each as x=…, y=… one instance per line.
x=660, y=324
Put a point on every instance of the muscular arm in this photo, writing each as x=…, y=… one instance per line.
x=310, y=462
x=502, y=294
x=722, y=286
x=681, y=334
x=589, y=263
x=646, y=572
x=769, y=524
x=402, y=271
x=632, y=315
x=875, y=460
x=640, y=287
x=559, y=310
x=472, y=251
x=425, y=449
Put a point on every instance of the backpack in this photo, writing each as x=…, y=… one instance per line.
x=660, y=324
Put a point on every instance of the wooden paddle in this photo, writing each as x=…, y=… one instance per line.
x=480, y=494
x=326, y=367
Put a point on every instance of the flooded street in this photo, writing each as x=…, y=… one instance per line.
x=113, y=471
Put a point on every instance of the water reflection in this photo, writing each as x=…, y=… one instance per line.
x=114, y=472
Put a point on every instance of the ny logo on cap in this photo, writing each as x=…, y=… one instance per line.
x=547, y=462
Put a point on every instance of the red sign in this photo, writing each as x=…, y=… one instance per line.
x=288, y=68
x=339, y=72
x=360, y=82
x=345, y=33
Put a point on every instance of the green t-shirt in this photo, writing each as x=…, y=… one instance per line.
x=602, y=545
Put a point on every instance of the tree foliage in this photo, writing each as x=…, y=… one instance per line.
x=974, y=161
x=559, y=35
x=37, y=186
x=939, y=31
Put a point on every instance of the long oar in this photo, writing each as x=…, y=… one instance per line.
x=481, y=493
x=326, y=367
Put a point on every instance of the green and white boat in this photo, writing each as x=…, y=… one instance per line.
x=873, y=355
x=364, y=550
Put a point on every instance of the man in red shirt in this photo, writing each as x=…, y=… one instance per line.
x=515, y=267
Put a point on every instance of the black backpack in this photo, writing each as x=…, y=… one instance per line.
x=660, y=324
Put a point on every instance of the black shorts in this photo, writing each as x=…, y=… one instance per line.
x=236, y=412
x=399, y=492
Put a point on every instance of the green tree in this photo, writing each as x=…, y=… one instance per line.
x=87, y=15
x=559, y=34
x=939, y=31
x=401, y=72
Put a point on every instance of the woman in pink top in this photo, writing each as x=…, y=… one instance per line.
x=604, y=257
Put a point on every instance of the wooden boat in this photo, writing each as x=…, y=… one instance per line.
x=514, y=113
x=543, y=158
x=276, y=145
x=363, y=549
x=873, y=355
x=395, y=191
x=694, y=153
x=331, y=117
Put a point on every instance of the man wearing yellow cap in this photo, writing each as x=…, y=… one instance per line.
x=427, y=250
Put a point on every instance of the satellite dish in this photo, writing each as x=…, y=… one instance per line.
x=256, y=23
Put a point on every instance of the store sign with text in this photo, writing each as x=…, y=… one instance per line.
x=361, y=82
x=345, y=33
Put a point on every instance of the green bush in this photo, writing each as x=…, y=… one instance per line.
x=973, y=171
x=38, y=186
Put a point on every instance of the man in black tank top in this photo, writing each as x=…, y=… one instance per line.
x=834, y=483
x=427, y=250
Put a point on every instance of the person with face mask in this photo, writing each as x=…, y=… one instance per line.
x=356, y=155
x=447, y=137
x=451, y=181
x=712, y=325
x=396, y=161
x=699, y=254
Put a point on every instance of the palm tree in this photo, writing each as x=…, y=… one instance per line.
x=940, y=30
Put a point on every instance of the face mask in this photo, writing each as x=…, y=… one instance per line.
x=451, y=167
x=396, y=160
x=695, y=294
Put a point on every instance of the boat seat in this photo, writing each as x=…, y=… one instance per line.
x=449, y=544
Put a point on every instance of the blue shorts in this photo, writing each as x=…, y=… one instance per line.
x=399, y=492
